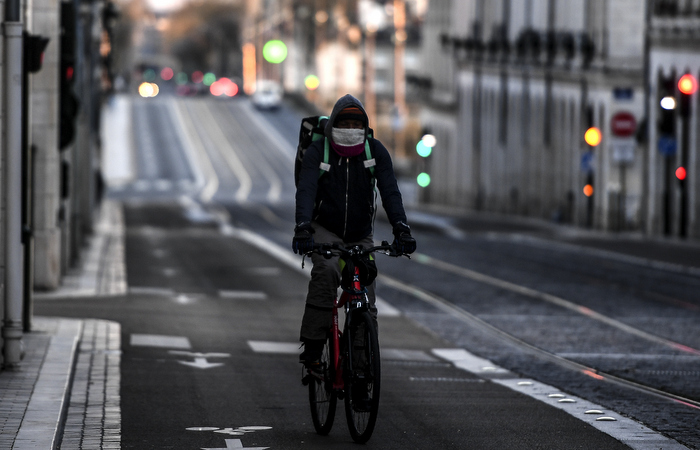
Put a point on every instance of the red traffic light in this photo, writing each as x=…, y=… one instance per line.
x=680, y=173
x=687, y=84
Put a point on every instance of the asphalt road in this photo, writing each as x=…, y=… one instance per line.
x=197, y=293
x=210, y=323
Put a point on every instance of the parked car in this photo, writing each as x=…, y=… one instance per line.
x=267, y=95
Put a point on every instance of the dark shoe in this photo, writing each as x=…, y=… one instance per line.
x=313, y=369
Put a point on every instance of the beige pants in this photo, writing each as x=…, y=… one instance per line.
x=323, y=287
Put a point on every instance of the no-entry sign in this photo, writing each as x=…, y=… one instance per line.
x=623, y=124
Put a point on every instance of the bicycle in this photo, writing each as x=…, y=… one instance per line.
x=350, y=368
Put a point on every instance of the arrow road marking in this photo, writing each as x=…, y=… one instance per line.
x=235, y=444
x=200, y=359
x=201, y=363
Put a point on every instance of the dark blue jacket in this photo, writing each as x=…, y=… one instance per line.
x=342, y=200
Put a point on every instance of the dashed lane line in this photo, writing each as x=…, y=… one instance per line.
x=193, y=142
x=158, y=340
x=629, y=432
x=243, y=295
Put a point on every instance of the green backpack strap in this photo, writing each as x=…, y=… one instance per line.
x=324, y=166
x=370, y=162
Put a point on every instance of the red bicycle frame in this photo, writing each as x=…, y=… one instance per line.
x=345, y=297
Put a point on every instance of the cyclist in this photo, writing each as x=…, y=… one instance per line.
x=338, y=207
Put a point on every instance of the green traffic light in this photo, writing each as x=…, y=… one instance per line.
x=181, y=78
x=274, y=51
x=423, y=179
x=209, y=78
x=422, y=149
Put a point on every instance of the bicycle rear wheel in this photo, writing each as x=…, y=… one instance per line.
x=362, y=383
x=322, y=396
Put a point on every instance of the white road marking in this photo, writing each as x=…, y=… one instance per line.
x=235, y=444
x=200, y=363
x=629, y=432
x=157, y=340
x=402, y=354
x=384, y=309
x=162, y=184
x=200, y=359
x=190, y=154
x=243, y=295
x=145, y=290
x=274, y=347
x=229, y=153
x=193, y=143
x=230, y=432
x=118, y=159
x=142, y=185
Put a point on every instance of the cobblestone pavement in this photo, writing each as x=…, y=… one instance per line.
x=67, y=362
x=65, y=394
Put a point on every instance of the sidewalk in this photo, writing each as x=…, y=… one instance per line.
x=66, y=392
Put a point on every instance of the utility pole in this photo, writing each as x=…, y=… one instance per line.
x=12, y=109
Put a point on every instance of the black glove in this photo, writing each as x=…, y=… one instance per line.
x=403, y=241
x=303, y=241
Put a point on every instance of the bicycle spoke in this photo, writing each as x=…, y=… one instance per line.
x=322, y=398
x=363, y=380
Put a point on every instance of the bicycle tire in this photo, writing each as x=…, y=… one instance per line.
x=360, y=410
x=322, y=397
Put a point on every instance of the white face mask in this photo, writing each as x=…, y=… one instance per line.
x=348, y=137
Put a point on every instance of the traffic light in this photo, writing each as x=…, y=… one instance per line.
x=68, y=102
x=687, y=85
x=425, y=145
x=681, y=173
x=592, y=137
x=667, y=107
x=34, y=46
x=274, y=51
x=424, y=148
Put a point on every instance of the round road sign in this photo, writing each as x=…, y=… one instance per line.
x=623, y=124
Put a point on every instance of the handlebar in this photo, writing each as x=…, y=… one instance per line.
x=327, y=250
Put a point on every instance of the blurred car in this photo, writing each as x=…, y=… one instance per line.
x=267, y=95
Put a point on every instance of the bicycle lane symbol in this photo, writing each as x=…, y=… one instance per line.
x=233, y=443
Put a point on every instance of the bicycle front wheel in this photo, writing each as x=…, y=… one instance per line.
x=322, y=396
x=363, y=377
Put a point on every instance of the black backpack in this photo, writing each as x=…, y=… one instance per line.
x=310, y=131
